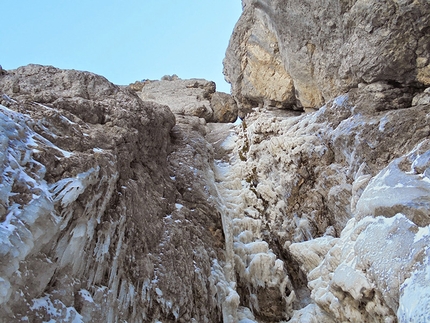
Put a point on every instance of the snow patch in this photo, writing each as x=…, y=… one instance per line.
x=55, y=310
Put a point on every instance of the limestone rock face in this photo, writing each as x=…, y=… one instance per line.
x=323, y=49
x=104, y=205
x=193, y=97
x=254, y=67
x=186, y=97
x=147, y=204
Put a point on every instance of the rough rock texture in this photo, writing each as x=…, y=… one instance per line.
x=224, y=107
x=194, y=97
x=190, y=97
x=304, y=53
x=254, y=67
x=304, y=178
x=99, y=222
x=115, y=209
x=340, y=196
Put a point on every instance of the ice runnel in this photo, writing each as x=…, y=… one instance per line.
x=248, y=257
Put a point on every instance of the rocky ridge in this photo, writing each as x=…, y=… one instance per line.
x=130, y=204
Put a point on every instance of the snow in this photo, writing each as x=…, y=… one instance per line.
x=383, y=123
x=341, y=100
x=4, y=290
x=423, y=233
x=86, y=295
x=22, y=228
x=384, y=190
x=414, y=305
x=159, y=292
x=56, y=310
x=8, y=98
x=229, y=143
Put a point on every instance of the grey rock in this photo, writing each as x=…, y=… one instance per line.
x=224, y=107
x=422, y=98
x=116, y=222
x=329, y=47
x=183, y=97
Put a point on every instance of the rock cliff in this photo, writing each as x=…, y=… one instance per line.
x=294, y=54
x=145, y=203
x=104, y=211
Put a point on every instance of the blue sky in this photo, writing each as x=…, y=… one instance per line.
x=124, y=41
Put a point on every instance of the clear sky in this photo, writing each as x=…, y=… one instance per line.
x=124, y=41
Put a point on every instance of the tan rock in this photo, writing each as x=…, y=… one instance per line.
x=183, y=97
x=326, y=48
x=224, y=107
x=254, y=61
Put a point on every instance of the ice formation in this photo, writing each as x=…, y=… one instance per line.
x=115, y=210
x=380, y=254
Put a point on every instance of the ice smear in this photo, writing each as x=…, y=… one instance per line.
x=248, y=257
x=86, y=295
x=55, y=310
x=341, y=100
x=375, y=254
x=384, y=192
x=68, y=190
x=28, y=226
x=238, y=121
x=383, y=123
x=23, y=226
x=414, y=303
x=5, y=290
x=230, y=142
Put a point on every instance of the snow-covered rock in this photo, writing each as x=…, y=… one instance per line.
x=115, y=209
x=104, y=205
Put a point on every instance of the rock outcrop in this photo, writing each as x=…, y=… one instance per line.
x=104, y=211
x=194, y=97
x=304, y=53
x=147, y=204
x=318, y=188
x=308, y=180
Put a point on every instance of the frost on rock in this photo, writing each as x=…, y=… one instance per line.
x=54, y=311
x=25, y=200
x=254, y=271
x=414, y=302
x=306, y=193
x=34, y=212
x=114, y=210
x=404, y=186
x=378, y=270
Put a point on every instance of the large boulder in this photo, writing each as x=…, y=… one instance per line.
x=224, y=107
